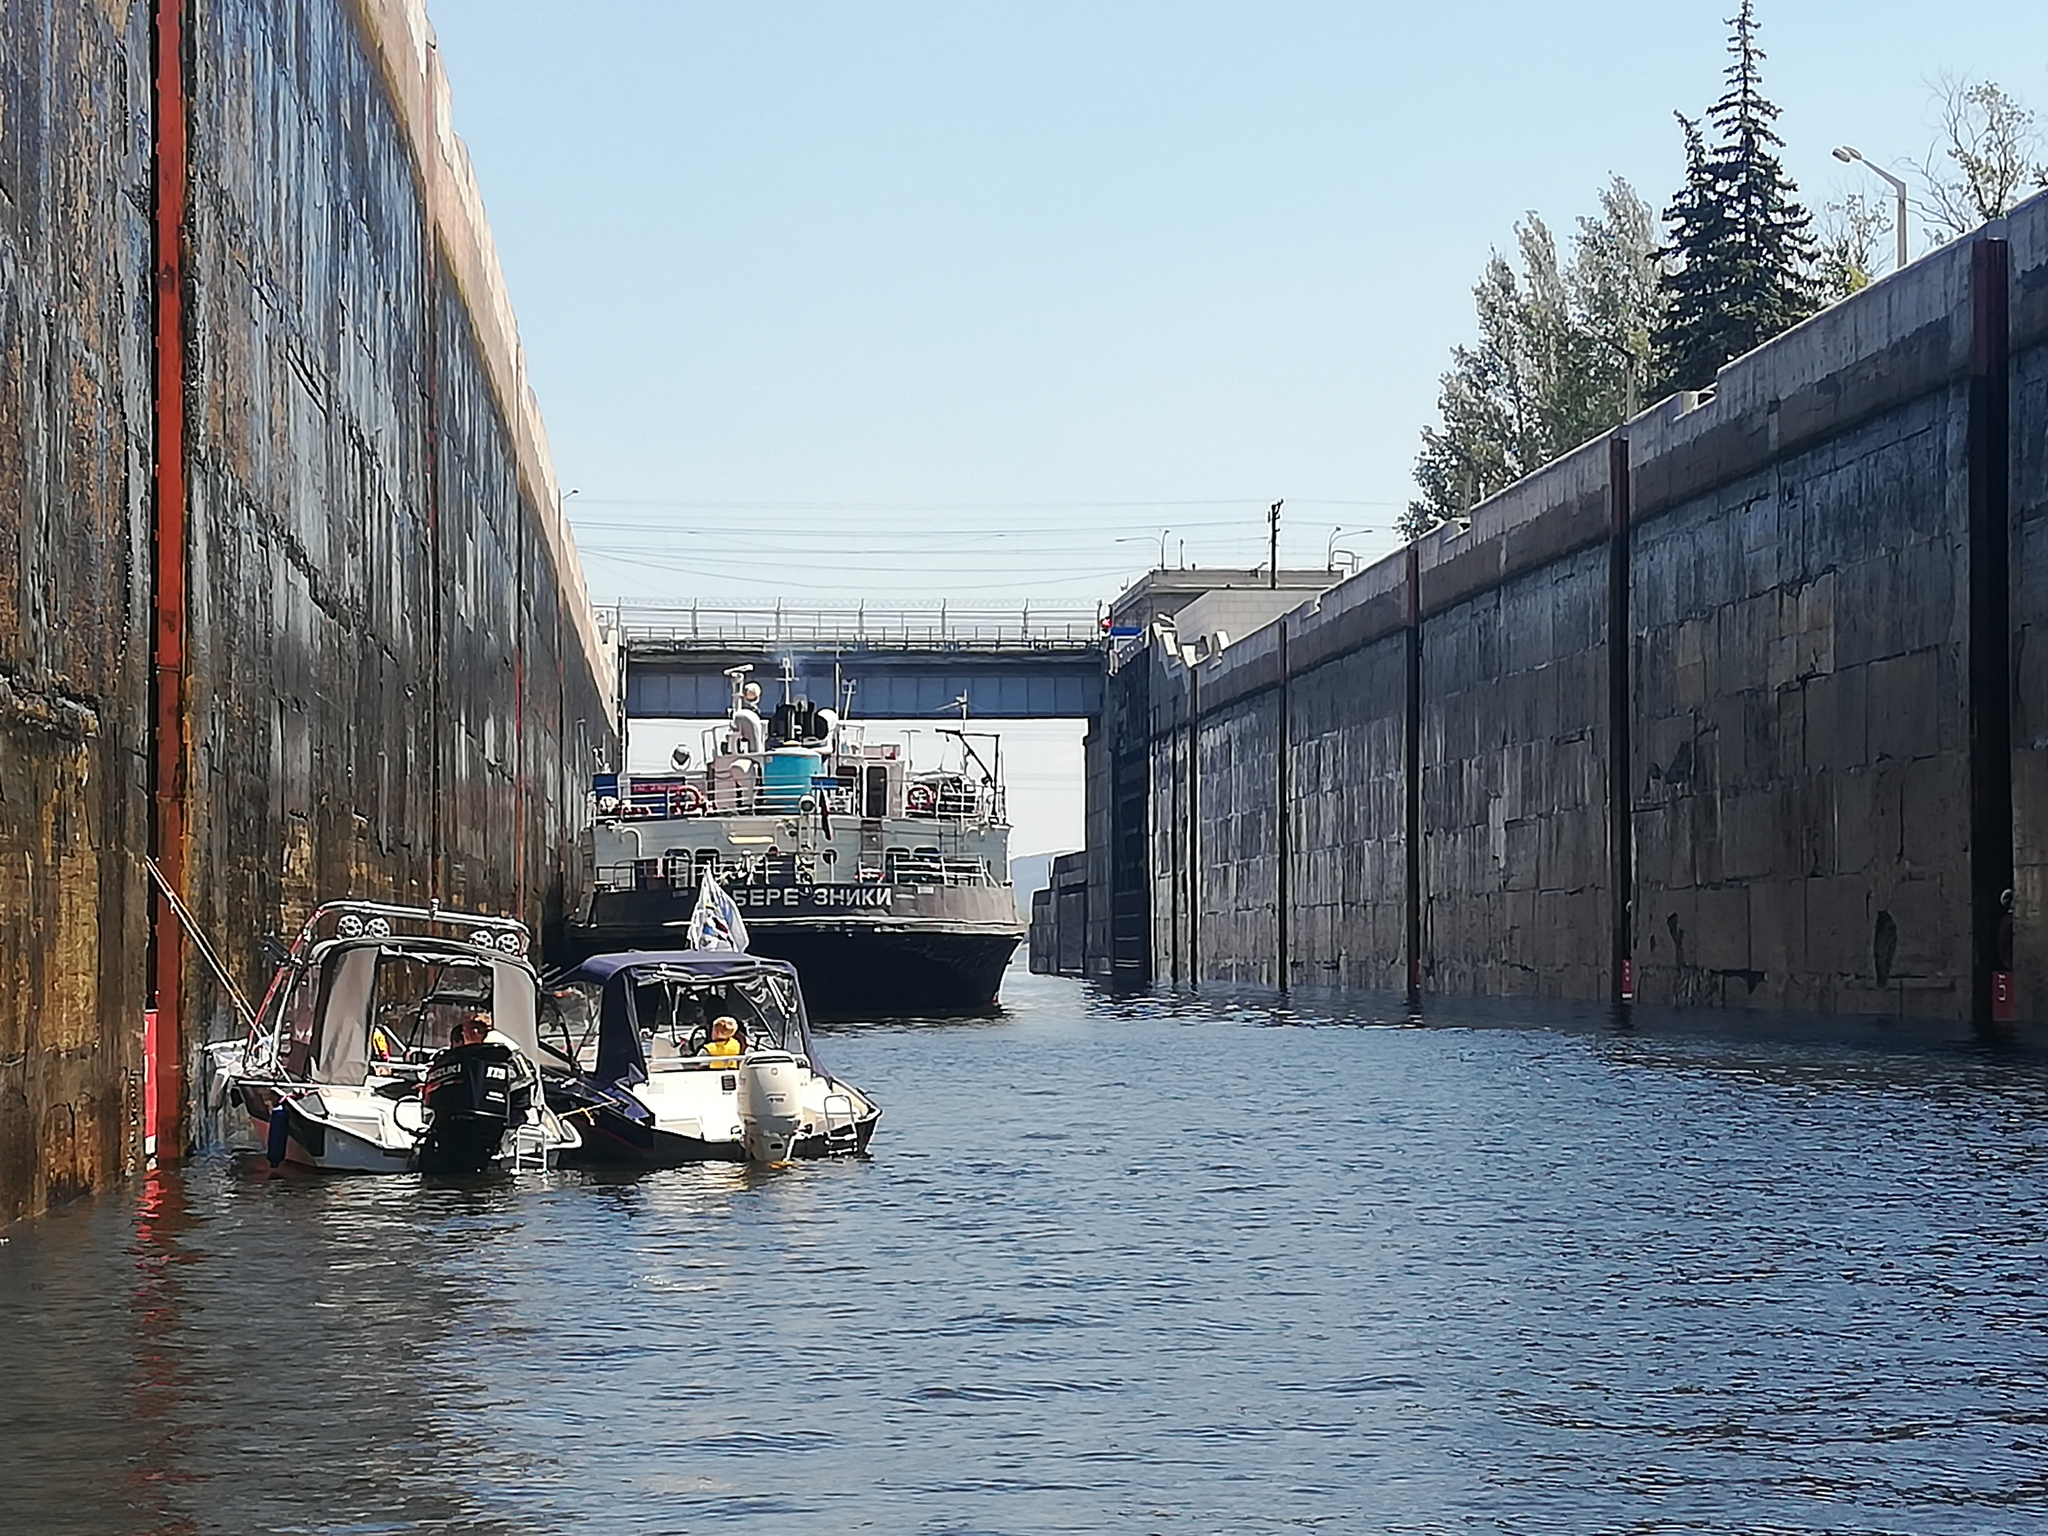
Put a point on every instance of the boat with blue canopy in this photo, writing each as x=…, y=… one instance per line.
x=667, y=1057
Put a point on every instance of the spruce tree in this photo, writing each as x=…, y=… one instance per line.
x=1741, y=252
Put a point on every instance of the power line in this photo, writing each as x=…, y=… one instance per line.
x=1258, y=502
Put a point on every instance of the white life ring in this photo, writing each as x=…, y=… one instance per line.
x=920, y=798
x=686, y=800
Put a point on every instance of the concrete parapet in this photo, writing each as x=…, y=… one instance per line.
x=1367, y=607
x=1901, y=337
x=1559, y=509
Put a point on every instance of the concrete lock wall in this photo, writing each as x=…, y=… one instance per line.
x=391, y=682
x=2026, y=376
x=74, y=590
x=1814, y=777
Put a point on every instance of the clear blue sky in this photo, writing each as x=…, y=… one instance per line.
x=872, y=299
x=863, y=298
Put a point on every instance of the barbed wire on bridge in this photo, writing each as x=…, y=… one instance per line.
x=857, y=627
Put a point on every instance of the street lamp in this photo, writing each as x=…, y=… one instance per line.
x=1846, y=154
x=1146, y=538
x=1336, y=533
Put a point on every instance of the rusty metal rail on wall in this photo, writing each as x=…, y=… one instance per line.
x=859, y=627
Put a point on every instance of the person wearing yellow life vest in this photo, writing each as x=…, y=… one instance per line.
x=724, y=1045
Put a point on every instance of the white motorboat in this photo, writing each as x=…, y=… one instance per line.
x=630, y=1060
x=353, y=1061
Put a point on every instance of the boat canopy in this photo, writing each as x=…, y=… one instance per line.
x=346, y=1006
x=621, y=1051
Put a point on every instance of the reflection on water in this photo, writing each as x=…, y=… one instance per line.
x=1118, y=1264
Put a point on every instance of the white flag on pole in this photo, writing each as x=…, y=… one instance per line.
x=715, y=922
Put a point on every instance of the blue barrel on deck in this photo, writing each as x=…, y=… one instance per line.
x=786, y=777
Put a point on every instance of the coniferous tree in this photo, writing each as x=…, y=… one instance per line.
x=1741, y=254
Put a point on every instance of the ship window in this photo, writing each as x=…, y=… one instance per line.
x=878, y=792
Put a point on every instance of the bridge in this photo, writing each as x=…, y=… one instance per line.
x=1015, y=663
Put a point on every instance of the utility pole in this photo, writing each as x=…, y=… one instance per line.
x=1273, y=560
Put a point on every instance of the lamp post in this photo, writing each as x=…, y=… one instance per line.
x=1146, y=538
x=1336, y=533
x=1848, y=154
x=1630, y=365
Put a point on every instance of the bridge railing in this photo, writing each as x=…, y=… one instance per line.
x=860, y=627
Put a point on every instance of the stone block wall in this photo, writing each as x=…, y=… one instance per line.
x=1514, y=786
x=1347, y=785
x=1237, y=828
x=1802, y=836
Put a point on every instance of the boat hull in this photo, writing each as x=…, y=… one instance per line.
x=279, y=1125
x=611, y=1138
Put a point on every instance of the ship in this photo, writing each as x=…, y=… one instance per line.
x=884, y=883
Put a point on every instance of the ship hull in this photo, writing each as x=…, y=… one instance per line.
x=858, y=950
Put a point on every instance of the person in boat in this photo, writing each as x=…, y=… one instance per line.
x=476, y=1028
x=724, y=1045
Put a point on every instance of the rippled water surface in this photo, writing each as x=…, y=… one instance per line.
x=1115, y=1266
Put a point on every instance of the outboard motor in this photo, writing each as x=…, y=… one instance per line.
x=474, y=1094
x=771, y=1112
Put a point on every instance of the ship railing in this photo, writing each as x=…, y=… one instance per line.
x=679, y=871
x=861, y=627
x=672, y=871
x=671, y=800
x=936, y=869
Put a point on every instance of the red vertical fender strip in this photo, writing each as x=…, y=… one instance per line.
x=163, y=1067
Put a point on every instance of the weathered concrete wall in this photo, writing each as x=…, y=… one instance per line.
x=1815, y=777
x=2027, y=320
x=74, y=582
x=396, y=687
x=393, y=684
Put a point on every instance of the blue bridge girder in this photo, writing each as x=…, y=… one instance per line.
x=903, y=664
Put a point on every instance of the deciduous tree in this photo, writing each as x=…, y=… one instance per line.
x=1988, y=159
x=1847, y=244
x=1561, y=357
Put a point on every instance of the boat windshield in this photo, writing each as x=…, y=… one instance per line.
x=670, y=1009
x=357, y=1008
